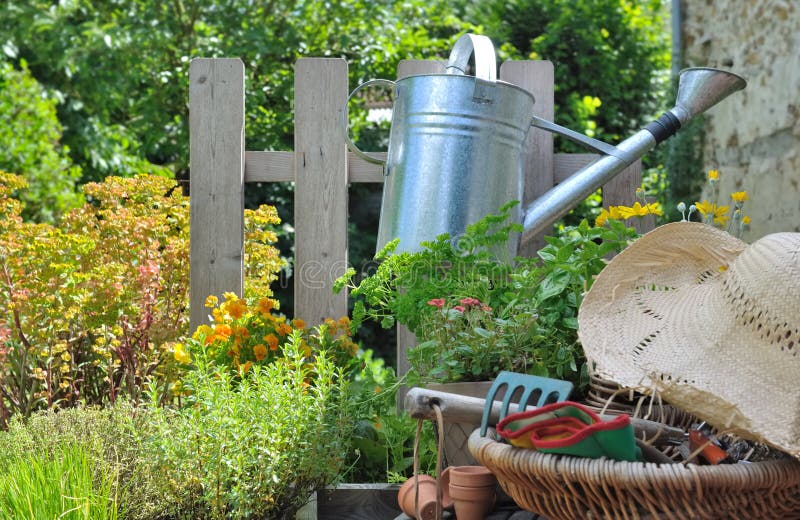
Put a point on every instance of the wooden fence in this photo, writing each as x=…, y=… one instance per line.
x=321, y=168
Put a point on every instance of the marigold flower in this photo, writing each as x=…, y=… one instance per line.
x=298, y=323
x=212, y=301
x=265, y=306
x=222, y=331
x=344, y=322
x=245, y=367
x=230, y=296
x=713, y=175
x=272, y=341
x=235, y=308
x=284, y=329
x=437, y=302
x=260, y=352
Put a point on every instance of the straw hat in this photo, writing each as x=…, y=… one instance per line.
x=709, y=323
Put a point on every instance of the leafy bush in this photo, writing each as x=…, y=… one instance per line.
x=92, y=306
x=30, y=136
x=254, y=446
x=110, y=441
x=474, y=315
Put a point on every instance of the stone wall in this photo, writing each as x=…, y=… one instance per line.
x=753, y=137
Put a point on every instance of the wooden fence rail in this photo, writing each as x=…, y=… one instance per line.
x=321, y=168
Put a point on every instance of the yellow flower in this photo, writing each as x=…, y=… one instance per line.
x=230, y=296
x=739, y=196
x=181, y=354
x=260, y=351
x=65, y=356
x=601, y=219
x=713, y=175
x=718, y=213
x=64, y=385
x=746, y=220
x=212, y=301
x=654, y=209
x=637, y=210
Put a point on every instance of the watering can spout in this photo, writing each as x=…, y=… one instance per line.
x=698, y=90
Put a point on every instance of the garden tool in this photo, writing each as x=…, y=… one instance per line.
x=458, y=408
x=455, y=147
x=571, y=428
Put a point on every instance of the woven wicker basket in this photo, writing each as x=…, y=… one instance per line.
x=562, y=487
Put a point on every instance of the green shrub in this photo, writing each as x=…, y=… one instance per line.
x=113, y=441
x=254, y=445
x=29, y=145
x=91, y=306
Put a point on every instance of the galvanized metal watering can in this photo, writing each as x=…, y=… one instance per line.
x=455, y=147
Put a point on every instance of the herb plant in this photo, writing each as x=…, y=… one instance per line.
x=475, y=315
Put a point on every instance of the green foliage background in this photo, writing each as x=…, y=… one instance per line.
x=115, y=75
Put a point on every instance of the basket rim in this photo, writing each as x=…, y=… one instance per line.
x=506, y=461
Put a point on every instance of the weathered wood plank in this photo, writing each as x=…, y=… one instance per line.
x=216, y=160
x=320, y=188
x=537, y=77
x=279, y=167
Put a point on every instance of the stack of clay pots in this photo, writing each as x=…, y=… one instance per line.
x=470, y=490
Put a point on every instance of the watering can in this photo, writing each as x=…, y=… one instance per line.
x=455, y=147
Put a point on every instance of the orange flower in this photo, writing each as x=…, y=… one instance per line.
x=272, y=341
x=265, y=306
x=284, y=329
x=235, y=308
x=222, y=331
x=260, y=351
x=298, y=323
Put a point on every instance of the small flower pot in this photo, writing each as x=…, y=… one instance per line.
x=472, y=503
x=427, y=496
x=470, y=476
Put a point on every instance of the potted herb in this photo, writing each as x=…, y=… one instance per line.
x=475, y=314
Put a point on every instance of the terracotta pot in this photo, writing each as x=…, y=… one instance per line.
x=427, y=496
x=472, y=503
x=471, y=476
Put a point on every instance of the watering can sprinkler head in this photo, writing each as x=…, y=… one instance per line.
x=701, y=88
x=698, y=90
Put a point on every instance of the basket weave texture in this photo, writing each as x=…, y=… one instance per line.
x=566, y=488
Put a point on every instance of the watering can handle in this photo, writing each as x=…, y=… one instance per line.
x=346, y=121
x=485, y=60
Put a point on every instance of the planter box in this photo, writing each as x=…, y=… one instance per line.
x=353, y=502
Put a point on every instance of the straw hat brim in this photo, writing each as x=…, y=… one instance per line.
x=666, y=316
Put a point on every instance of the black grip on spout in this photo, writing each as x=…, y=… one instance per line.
x=664, y=127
